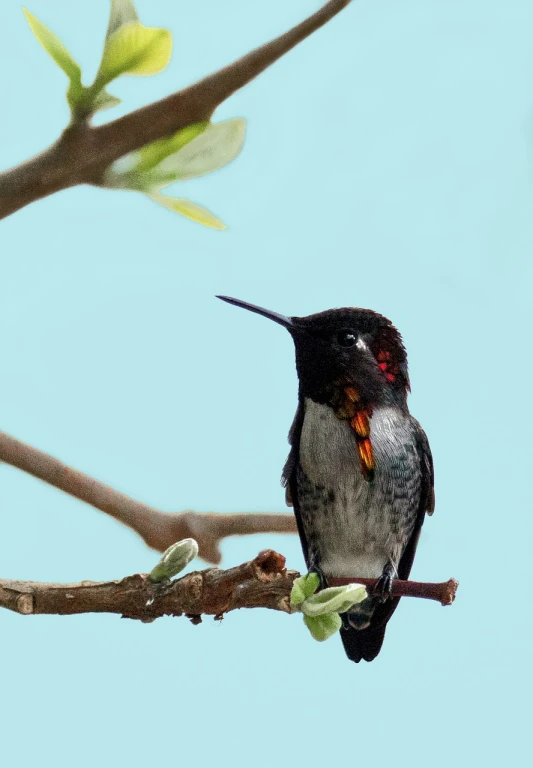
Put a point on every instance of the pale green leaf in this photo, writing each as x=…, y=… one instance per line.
x=303, y=587
x=150, y=155
x=323, y=627
x=121, y=175
x=188, y=209
x=115, y=179
x=333, y=599
x=104, y=100
x=134, y=50
x=54, y=47
x=122, y=12
x=218, y=145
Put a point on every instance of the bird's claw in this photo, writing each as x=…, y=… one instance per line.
x=383, y=586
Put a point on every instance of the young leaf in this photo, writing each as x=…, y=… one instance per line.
x=104, y=100
x=333, y=599
x=188, y=209
x=122, y=12
x=134, y=50
x=151, y=154
x=218, y=145
x=323, y=627
x=55, y=48
x=303, y=587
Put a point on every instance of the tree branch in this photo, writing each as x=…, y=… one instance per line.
x=261, y=583
x=82, y=153
x=443, y=592
x=158, y=529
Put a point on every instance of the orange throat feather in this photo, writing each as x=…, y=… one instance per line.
x=358, y=415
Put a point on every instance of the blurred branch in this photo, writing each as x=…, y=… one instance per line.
x=261, y=583
x=158, y=529
x=83, y=152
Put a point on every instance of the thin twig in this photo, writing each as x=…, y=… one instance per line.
x=158, y=529
x=82, y=153
x=444, y=592
x=261, y=583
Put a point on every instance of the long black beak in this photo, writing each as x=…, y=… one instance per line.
x=286, y=322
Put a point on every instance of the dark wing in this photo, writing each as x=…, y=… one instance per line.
x=366, y=643
x=289, y=474
x=427, y=499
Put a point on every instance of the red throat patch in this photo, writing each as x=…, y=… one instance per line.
x=389, y=368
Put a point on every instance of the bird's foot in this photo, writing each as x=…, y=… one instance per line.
x=383, y=586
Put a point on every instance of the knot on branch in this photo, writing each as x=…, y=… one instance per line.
x=268, y=564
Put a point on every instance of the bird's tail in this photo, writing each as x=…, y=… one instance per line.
x=362, y=643
x=363, y=629
x=359, y=639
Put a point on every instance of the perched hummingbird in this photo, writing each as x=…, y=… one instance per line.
x=359, y=473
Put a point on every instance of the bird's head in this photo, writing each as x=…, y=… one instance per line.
x=341, y=348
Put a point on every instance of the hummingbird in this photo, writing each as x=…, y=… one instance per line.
x=359, y=475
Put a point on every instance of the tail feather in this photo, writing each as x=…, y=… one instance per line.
x=364, y=640
x=363, y=643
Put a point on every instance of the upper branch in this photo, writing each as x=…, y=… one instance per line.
x=83, y=152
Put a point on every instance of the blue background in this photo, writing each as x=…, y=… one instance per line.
x=387, y=164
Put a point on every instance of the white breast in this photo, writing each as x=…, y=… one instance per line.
x=362, y=526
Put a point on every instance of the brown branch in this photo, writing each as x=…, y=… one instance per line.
x=158, y=529
x=443, y=592
x=261, y=583
x=82, y=153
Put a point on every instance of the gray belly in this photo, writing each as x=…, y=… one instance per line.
x=354, y=527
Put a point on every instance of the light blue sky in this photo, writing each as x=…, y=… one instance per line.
x=387, y=164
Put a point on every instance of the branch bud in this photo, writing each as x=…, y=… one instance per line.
x=174, y=560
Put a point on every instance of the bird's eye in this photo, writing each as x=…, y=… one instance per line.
x=346, y=339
